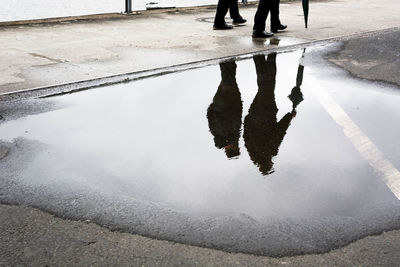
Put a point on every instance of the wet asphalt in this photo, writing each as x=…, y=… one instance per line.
x=241, y=156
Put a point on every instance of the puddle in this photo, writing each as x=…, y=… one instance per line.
x=240, y=156
x=269, y=42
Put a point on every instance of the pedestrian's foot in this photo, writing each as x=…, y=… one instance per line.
x=238, y=20
x=280, y=27
x=224, y=26
x=262, y=34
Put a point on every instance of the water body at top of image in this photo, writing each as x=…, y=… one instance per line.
x=241, y=156
x=13, y=10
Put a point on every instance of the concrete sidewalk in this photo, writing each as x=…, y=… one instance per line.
x=44, y=55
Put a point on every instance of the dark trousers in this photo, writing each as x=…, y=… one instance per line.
x=222, y=9
x=264, y=7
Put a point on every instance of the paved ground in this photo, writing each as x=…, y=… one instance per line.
x=43, y=55
x=379, y=56
x=32, y=237
x=27, y=232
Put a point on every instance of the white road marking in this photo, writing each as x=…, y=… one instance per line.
x=390, y=175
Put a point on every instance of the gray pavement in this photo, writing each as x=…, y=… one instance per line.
x=379, y=56
x=84, y=244
x=30, y=237
x=27, y=232
x=52, y=54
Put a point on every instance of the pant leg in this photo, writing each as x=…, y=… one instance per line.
x=275, y=22
x=234, y=9
x=264, y=6
x=222, y=9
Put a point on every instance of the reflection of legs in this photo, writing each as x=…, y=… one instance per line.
x=225, y=112
x=259, y=123
x=266, y=73
x=263, y=134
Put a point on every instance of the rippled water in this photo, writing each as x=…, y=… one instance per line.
x=34, y=9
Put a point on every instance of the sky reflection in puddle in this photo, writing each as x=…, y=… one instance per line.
x=246, y=137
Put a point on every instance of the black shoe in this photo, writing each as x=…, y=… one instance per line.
x=280, y=27
x=262, y=34
x=224, y=26
x=238, y=21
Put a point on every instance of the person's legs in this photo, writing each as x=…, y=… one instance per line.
x=261, y=15
x=222, y=9
x=275, y=21
x=234, y=9
x=234, y=13
x=275, y=14
x=264, y=6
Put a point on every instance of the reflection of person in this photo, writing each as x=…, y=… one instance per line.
x=222, y=9
x=225, y=112
x=264, y=7
x=263, y=134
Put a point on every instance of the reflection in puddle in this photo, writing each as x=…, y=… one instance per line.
x=146, y=157
x=225, y=112
x=263, y=134
x=274, y=41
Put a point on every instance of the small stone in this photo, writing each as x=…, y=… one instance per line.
x=3, y=152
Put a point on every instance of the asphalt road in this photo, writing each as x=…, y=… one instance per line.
x=376, y=204
x=30, y=237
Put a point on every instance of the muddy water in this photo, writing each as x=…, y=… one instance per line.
x=240, y=156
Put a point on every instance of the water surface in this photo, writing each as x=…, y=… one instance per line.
x=239, y=156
